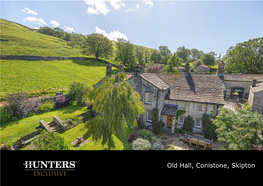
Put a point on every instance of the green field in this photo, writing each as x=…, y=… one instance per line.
x=49, y=76
x=18, y=40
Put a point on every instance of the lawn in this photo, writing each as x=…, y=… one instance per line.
x=17, y=129
x=121, y=143
x=49, y=76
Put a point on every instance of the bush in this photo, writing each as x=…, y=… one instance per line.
x=133, y=136
x=5, y=113
x=48, y=141
x=47, y=106
x=141, y=144
x=78, y=91
x=145, y=134
x=20, y=105
x=209, y=128
x=188, y=123
x=156, y=124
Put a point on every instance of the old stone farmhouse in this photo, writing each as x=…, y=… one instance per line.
x=197, y=93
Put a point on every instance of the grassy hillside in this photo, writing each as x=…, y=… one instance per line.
x=18, y=40
x=49, y=76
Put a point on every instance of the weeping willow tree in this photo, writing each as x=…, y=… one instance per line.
x=117, y=106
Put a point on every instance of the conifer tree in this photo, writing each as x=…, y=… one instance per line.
x=117, y=105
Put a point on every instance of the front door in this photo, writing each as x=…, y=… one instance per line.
x=169, y=121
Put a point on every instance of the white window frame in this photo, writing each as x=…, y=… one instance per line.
x=196, y=123
x=198, y=108
x=148, y=111
x=179, y=120
x=149, y=95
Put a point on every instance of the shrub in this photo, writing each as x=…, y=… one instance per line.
x=156, y=124
x=78, y=91
x=209, y=128
x=20, y=105
x=48, y=141
x=47, y=106
x=145, y=134
x=141, y=144
x=188, y=123
x=5, y=113
x=133, y=136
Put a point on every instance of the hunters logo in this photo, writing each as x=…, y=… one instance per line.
x=50, y=168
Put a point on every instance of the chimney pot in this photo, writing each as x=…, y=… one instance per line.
x=254, y=82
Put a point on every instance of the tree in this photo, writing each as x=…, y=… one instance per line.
x=59, y=32
x=125, y=53
x=165, y=53
x=156, y=124
x=147, y=56
x=139, y=53
x=72, y=43
x=188, y=123
x=183, y=53
x=47, y=30
x=173, y=62
x=67, y=36
x=78, y=92
x=209, y=127
x=195, y=54
x=48, y=141
x=197, y=63
x=152, y=68
x=117, y=106
x=246, y=57
x=239, y=130
x=208, y=59
x=156, y=56
x=98, y=46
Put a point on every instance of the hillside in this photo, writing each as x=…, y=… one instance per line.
x=19, y=40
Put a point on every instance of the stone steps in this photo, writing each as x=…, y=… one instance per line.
x=54, y=127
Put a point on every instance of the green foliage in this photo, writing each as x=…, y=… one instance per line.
x=245, y=57
x=139, y=53
x=208, y=59
x=125, y=53
x=179, y=113
x=156, y=124
x=188, y=123
x=48, y=141
x=97, y=45
x=195, y=54
x=197, y=63
x=145, y=134
x=78, y=92
x=47, y=106
x=141, y=144
x=5, y=113
x=239, y=130
x=118, y=106
x=165, y=53
x=173, y=62
x=156, y=56
x=183, y=53
x=209, y=127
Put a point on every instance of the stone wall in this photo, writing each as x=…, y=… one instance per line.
x=60, y=123
x=192, y=109
x=257, y=102
x=48, y=58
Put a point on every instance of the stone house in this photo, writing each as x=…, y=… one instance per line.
x=197, y=93
x=202, y=68
x=256, y=97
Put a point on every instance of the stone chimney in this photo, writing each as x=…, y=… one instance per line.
x=187, y=69
x=254, y=82
x=220, y=69
x=121, y=68
x=108, y=70
x=137, y=70
x=142, y=68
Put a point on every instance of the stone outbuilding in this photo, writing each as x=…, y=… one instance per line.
x=256, y=97
x=202, y=69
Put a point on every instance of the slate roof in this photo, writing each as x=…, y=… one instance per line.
x=206, y=88
x=169, y=109
x=257, y=88
x=155, y=80
x=243, y=77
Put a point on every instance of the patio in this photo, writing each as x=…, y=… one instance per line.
x=163, y=141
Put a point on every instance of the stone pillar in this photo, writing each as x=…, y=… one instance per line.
x=108, y=70
x=173, y=125
x=187, y=68
x=220, y=69
x=121, y=68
